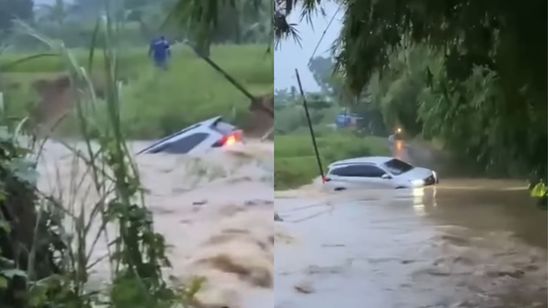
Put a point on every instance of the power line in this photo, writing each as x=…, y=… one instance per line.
x=324, y=32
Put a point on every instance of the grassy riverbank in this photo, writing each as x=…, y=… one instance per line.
x=295, y=163
x=154, y=103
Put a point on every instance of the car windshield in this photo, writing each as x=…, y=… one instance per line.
x=397, y=167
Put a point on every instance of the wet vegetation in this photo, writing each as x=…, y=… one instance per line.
x=296, y=165
x=49, y=241
x=469, y=75
x=155, y=103
x=475, y=71
x=466, y=76
x=51, y=266
x=294, y=157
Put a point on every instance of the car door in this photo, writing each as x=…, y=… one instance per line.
x=341, y=177
x=359, y=176
x=370, y=176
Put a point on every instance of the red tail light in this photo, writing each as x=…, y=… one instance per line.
x=325, y=179
x=229, y=140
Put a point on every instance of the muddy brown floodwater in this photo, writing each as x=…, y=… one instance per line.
x=215, y=211
x=464, y=243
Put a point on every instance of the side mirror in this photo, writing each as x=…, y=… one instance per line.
x=386, y=176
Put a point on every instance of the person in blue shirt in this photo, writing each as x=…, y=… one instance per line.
x=160, y=51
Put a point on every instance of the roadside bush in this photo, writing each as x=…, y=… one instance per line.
x=45, y=248
x=156, y=103
x=78, y=34
x=295, y=161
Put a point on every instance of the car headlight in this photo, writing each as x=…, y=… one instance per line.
x=417, y=182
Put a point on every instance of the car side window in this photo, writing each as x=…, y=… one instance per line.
x=342, y=171
x=183, y=145
x=368, y=171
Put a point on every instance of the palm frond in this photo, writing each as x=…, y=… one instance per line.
x=200, y=18
x=283, y=29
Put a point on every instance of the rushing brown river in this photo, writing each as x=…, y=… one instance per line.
x=464, y=243
x=215, y=212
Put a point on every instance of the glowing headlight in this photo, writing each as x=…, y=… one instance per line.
x=417, y=182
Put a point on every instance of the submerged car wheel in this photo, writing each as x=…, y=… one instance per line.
x=340, y=188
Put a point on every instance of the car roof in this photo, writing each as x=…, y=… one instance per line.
x=377, y=160
x=211, y=121
x=206, y=123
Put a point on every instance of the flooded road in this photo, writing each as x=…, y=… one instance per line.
x=464, y=243
x=443, y=247
x=215, y=212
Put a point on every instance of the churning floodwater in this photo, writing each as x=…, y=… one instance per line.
x=215, y=211
x=465, y=243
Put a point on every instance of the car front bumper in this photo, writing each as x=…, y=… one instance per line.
x=431, y=180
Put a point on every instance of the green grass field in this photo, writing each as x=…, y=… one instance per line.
x=295, y=163
x=156, y=103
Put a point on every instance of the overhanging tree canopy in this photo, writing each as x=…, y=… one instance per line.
x=507, y=36
x=506, y=39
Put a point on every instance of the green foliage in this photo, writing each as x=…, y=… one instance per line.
x=130, y=62
x=32, y=247
x=367, y=107
x=473, y=120
x=330, y=82
x=292, y=172
x=507, y=41
x=292, y=118
x=322, y=70
x=209, y=21
x=500, y=45
x=470, y=116
x=155, y=103
x=76, y=34
x=396, y=92
x=282, y=9
x=295, y=162
x=470, y=33
x=289, y=119
x=284, y=97
x=159, y=103
x=138, y=253
x=205, y=20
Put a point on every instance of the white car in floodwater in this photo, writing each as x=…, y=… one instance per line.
x=198, y=138
x=377, y=172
